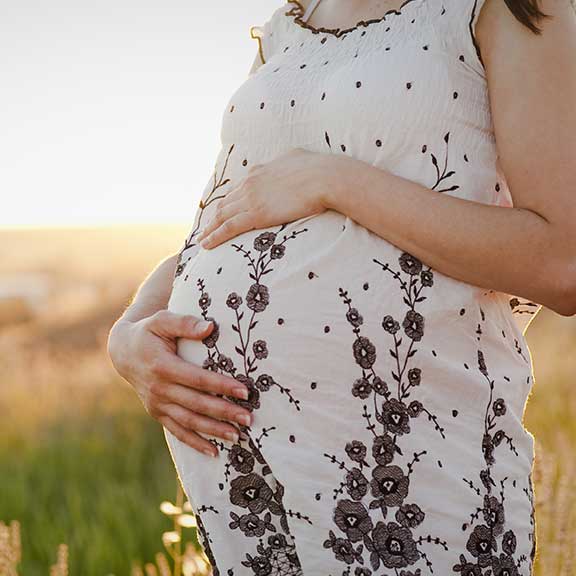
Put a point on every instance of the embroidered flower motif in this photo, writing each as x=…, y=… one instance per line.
x=414, y=375
x=427, y=278
x=264, y=382
x=362, y=388
x=364, y=352
x=410, y=515
x=395, y=417
x=264, y=241
x=481, y=544
x=210, y=364
x=390, y=485
x=379, y=386
x=395, y=545
x=509, y=542
x=343, y=549
x=241, y=459
x=356, y=451
x=499, y=407
x=354, y=317
x=390, y=325
x=413, y=325
x=250, y=491
x=356, y=484
x=260, y=349
x=204, y=301
x=353, y=519
x=225, y=363
x=383, y=449
x=258, y=297
x=410, y=264
x=415, y=409
x=277, y=251
x=233, y=301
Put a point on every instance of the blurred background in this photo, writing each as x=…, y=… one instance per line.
x=109, y=124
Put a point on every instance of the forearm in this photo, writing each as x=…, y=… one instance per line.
x=154, y=292
x=512, y=250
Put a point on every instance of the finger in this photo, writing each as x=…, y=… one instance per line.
x=170, y=368
x=189, y=437
x=223, y=212
x=168, y=324
x=197, y=422
x=236, y=225
x=205, y=404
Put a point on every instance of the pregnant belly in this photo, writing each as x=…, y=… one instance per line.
x=315, y=309
x=340, y=335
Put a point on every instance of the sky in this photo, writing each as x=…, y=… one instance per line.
x=110, y=110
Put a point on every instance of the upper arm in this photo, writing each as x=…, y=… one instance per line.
x=532, y=89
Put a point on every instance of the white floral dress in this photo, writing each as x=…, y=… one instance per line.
x=388, y=397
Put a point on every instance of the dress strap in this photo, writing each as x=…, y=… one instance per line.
x=311, y=7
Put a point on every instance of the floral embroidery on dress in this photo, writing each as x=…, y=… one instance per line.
x=375, y=479
x=491, y=547
x=252, y=489
x=218, y=182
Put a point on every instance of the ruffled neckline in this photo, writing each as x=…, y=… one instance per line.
x=297, y=11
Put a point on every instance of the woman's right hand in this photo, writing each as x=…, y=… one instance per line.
x=177, y=393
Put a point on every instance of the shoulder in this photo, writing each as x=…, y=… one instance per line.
x=531, y=82
x=498, y=32
x=270, y=32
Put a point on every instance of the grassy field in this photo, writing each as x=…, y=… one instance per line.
x=81, y=462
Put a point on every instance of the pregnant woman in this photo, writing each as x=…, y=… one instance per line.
x=392, y=204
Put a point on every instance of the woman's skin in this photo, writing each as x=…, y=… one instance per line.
x=528, y=250
x=142, y=347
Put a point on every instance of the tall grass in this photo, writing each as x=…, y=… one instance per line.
x=82, y=464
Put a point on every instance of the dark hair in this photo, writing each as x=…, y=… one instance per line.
x=527, y=12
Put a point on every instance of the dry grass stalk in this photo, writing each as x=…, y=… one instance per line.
x=61, y=566
x=10, y=548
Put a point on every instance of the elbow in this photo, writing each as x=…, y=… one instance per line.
x=563, y=291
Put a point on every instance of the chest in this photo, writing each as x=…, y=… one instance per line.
x=391, y=80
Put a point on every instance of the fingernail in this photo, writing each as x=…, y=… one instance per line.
x=241, y=393
x=233, y=436
x=244, y=419
x=210, y=453
x=204, y=325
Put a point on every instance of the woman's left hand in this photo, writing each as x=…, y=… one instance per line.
x=289, y=187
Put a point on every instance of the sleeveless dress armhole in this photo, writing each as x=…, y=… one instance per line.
x=474, y=8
